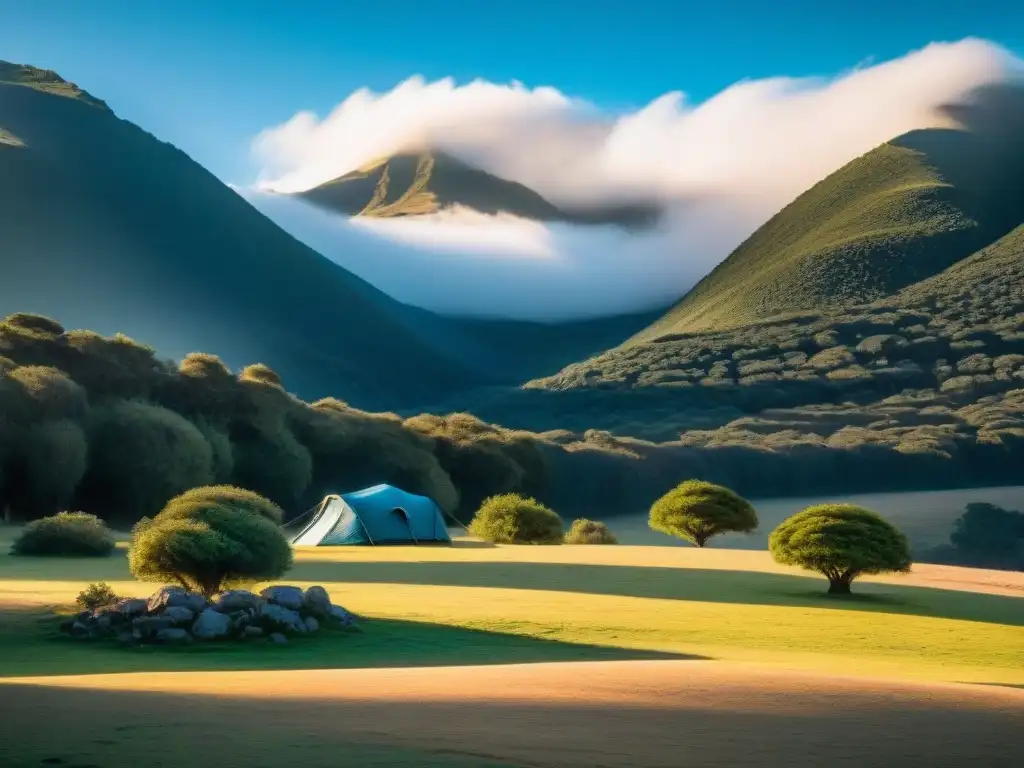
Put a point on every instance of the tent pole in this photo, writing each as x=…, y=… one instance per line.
x=365, y=529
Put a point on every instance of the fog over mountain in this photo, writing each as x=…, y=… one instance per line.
x=719, y=168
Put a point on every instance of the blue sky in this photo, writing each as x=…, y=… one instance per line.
x=207, y=75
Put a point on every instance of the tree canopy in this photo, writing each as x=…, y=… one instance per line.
x=841, y=541
x=211, y=538
x=697, y=510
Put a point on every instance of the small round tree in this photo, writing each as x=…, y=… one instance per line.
x=514, y=519
x=696, y=511
x=208, y=539
x=840, y=541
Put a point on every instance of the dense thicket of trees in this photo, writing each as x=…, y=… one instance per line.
x=104, y=426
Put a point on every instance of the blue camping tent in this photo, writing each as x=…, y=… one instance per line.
x=378, y=515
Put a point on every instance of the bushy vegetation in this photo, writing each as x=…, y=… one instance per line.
x=841, y=541
x=513, y=519
x=984, y=536
x=65, y=534
x=583, y=531
x=99, y=594
x=104, y=426
x=696, y=510
x=211, y=538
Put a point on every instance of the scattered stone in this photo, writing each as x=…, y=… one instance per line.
x=78, y=629
x=277, y=638
x=252, y=631
x=342, y=616
x=233, y=600
x=211, y=625
x=179, y=614
x=284, y=596
x=316, y=601
x=131, y=607
x=147, y=626
x=312, y=625
x=275, y=617
x=173, y=636
x=171, y=597
x=102, y=623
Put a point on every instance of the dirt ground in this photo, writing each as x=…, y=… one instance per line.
x=665, y=714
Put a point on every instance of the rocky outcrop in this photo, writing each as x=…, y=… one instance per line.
x=285, y=596
x=176, y=616
x=176, y=597
x=211, y=625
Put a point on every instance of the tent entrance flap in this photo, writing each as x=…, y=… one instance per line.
x=323, y=523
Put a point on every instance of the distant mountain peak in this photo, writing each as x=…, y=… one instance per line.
x=47, y=81
x=428, y=181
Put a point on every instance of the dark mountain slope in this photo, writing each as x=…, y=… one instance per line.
x=107, y=227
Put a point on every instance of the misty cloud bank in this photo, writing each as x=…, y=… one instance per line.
x=721, y=168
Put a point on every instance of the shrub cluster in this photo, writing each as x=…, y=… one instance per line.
x=583, y=531
x=66, y=533
x=513, y=519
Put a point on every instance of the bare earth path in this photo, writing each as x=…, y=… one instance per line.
x=671, y=714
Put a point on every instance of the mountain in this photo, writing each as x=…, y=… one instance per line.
x=903, y=212
x=415, y=184
x=104, y=226
x=888, y=300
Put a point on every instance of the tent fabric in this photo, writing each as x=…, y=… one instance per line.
x=382, y=514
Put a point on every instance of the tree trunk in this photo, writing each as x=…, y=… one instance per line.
x=839, y=585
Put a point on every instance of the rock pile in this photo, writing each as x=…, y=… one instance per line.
x=175, y=616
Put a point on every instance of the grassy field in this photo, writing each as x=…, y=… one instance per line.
x=461, y=662
x=475, y=604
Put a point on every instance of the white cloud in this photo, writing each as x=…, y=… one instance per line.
x=723, y=167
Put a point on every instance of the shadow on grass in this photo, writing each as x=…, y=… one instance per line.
x=703, y=585
x=30, y=645
x=431, y=727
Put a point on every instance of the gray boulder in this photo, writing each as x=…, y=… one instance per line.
x=277, y=638
x=176, y=597
x=233, y=600
x=284, y=596
x=79, y=630
x=145, y=627
x=343, y=617
x=317, y=602
x=312, y=625
x=211, y=625
x=252, y=631
x=178, y=614
x=173, y=636
x=281, y=619
x=131, y=607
